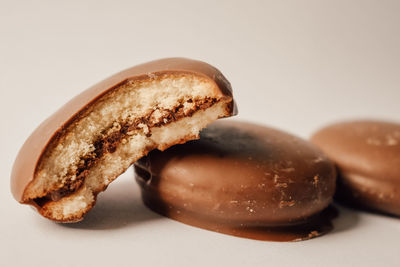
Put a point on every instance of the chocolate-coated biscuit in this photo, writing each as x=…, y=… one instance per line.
x=367, y=153
x=242, y=179
x=85, y=145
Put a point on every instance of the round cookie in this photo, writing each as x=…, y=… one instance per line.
x=367, y=154
x=79, y=150
x=242, y=179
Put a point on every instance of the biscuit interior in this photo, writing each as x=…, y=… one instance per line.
x=115, y=130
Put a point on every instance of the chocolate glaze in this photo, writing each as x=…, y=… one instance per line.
x=242, y=179
x=367, y=154
x=30, y=154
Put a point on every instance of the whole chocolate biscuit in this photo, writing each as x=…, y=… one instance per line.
x=242, y=179
x=367, y=154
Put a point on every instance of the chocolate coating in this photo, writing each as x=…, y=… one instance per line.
x=367, y=154
x=30, y=154
x=238, y=179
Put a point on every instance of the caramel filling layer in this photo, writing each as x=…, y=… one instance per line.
x=108, y=141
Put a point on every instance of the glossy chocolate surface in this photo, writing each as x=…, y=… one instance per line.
x=367, y=154
x=30, y=154
x=242, y=179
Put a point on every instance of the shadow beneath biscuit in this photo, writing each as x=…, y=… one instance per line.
x=347, y=219
x=359, y=208
x=119, y=206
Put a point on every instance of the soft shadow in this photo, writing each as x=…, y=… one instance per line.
x=348, y=218
x=360, y=208
x=119, y=206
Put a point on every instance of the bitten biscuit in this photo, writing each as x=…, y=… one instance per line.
x=84, y=146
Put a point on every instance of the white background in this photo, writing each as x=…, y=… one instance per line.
x=295, y=65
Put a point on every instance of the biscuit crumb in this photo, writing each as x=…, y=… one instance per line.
x=316, y=180
x=283, y=203
x=313, y=234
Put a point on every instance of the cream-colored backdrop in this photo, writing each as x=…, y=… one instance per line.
x=296, y=65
